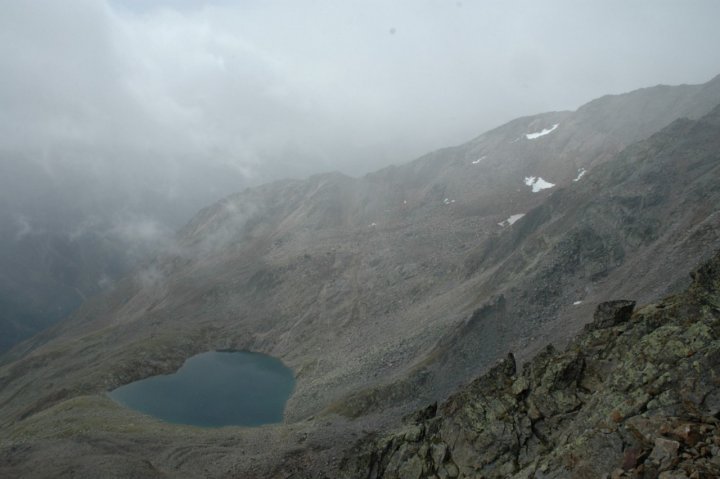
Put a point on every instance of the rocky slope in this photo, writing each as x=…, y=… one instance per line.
x=382, y=292
x=637, y=394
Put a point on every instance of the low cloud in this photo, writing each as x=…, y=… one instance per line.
x=139, y=113
x=142, y=230
x=23, y=227
x=274, y=88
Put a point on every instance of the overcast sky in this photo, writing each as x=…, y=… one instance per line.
x=273, y=88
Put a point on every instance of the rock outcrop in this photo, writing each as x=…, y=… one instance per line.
x=636, y=395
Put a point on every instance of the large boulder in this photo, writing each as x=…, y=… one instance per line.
x=611, y=313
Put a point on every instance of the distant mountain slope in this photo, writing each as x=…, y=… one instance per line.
x=391, y=290
x=601, y=237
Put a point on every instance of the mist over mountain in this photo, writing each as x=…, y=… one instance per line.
x=327, y=184
x=385, y=292
x=121, y=119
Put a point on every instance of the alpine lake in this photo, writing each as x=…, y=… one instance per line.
x=214, y=389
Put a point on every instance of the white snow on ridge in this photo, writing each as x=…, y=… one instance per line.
x=576, y=303
x=581, y=173
x=538, y=183
x=512, y=219
x=541, y=184
x=475, y=162
x=538, y=134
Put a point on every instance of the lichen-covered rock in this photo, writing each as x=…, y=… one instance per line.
x=612, y=313
x=636, y=395
x=664, y=453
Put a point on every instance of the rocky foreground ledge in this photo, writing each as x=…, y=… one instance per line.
x=637, y=394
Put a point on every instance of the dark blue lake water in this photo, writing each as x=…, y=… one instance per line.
x=215, y=389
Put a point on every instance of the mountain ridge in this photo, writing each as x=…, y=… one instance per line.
x=391, y=290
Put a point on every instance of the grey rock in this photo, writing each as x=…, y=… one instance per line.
x=612, y=313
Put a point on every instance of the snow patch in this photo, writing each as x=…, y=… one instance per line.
x=538, y=183
x=448, y=201
x=372, y=225
x=538, y=134
x=475, y=162
x=512, y=219
x=577, y=302
x=581, y=173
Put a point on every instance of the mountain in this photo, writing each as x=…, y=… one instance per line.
x=73, y=222
x=382, y=293
x=635, y=395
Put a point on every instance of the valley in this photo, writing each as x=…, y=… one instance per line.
x=382, y=293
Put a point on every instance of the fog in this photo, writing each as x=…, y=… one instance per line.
x=261, y=90
x=119, y=119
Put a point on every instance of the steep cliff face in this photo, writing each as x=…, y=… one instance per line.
x=637, y=394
